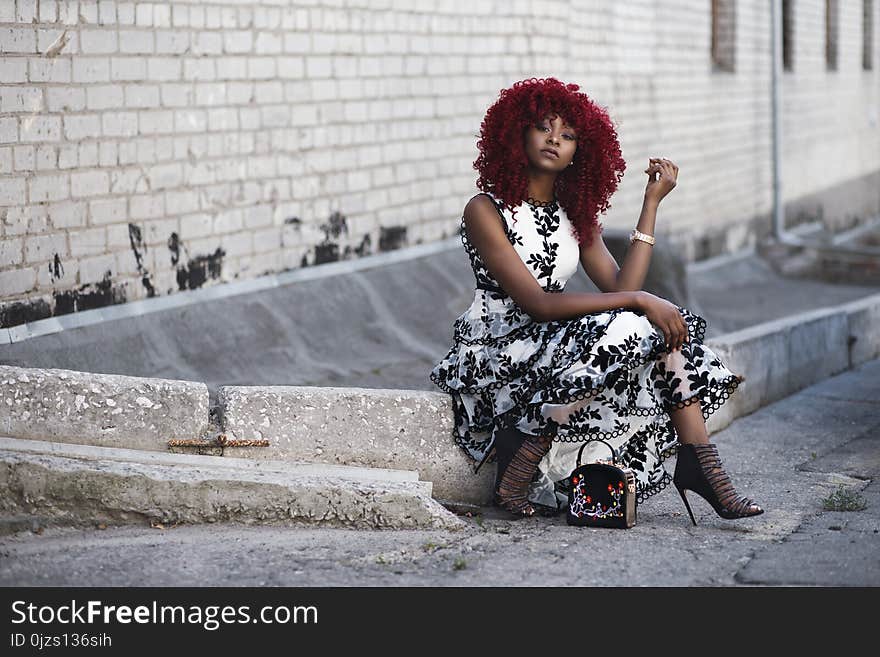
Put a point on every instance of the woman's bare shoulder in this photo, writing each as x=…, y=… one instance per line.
x=480, y=207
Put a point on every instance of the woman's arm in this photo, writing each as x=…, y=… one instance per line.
x=485, y=230
x=638, y=256
x=602, y=268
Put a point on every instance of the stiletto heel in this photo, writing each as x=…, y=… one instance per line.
x=489, y=452
x=688, y=506
x=698, y=468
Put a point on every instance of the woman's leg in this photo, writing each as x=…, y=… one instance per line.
x=515, y=479
x=689, y=424
x=691, y=428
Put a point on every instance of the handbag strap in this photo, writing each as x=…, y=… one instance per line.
x=581, y=450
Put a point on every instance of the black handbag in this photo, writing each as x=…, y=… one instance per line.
x=601, y=494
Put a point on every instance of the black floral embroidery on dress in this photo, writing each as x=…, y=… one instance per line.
x=547, y=223
x=601, y=375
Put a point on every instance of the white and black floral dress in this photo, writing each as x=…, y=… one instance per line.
x=601, y=375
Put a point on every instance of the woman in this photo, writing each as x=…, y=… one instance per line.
x=535, y=371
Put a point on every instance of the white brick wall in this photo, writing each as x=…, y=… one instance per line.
x=217, y=120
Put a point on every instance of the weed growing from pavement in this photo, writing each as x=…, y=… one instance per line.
x=844, y=500
x=459, y=564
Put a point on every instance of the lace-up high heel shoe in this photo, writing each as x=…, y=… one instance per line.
x=698, y=468
x=518, y=457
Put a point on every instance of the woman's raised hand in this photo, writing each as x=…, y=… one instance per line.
x=666, y=172
x=666, y=316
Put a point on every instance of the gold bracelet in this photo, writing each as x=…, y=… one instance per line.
x=639, y=235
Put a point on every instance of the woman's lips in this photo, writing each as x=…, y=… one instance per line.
x=550, y=153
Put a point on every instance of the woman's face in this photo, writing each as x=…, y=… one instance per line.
x=550, y=134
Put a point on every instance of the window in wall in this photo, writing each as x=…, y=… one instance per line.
x=723, y=35
x=831, y=35
x=787, y=35
x=867, y=34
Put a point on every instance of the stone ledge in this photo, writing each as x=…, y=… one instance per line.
x=863, y=316
x=109, y=410
x=781, y=357
x=76, y=485
x=408, y=429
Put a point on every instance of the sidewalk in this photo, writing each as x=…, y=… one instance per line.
x=787, y=456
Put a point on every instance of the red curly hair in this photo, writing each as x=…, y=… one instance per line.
x=585, y=187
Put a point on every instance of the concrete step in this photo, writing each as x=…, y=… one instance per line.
x=87, y=485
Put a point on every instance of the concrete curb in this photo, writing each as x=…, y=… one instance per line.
x=110, y=410
x=780, y=357
x=408, y=429
x=75, y=484
x=863, y=316
x=412, y=429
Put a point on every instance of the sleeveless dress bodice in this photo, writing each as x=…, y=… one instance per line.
x=544, y=239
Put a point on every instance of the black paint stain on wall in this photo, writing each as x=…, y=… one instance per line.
x=105, y=293
x=364, y=247
x=137, y=242
x=85, y=297
x=361, y=249
x=151, y=291
x=335, y=226
x=90, y=295
x=293, y=220
x=174, y=247
x=328, y=250
x=326, y=253
x=199, y=269
x=56, y=269
x=392, y=237
x=20, y=312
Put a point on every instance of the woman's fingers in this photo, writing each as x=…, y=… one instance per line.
x=684, y=333
x=672, y=337
x=663, y=165
x=676, y=340
x=673, y=324
x=676, y=333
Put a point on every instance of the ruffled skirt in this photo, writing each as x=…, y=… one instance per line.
x=602, y=375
